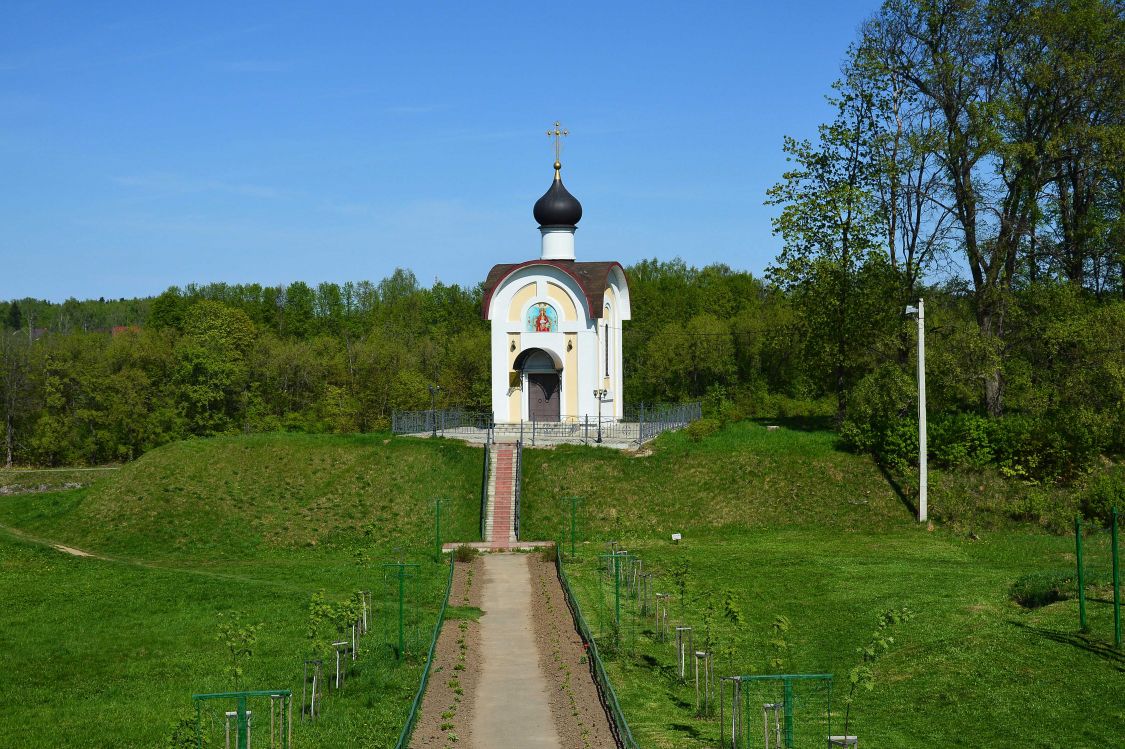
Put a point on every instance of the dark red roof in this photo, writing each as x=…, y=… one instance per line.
x=592, y=278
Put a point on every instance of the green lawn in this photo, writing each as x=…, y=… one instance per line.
x=781, y=522
x=972, y=669
x=106, y=652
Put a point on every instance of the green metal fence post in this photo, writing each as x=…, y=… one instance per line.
x=573, y=522
x=617, y=592
x=243, y=729
x=1081, y=573
x=1116, y=586
x=788, y=707
x=437, y=530
x=401, y=598
x=401, y=571
x=616, y=557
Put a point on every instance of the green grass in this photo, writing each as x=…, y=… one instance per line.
x=790, y=525
x=106, y=652
x=972, y=669
x=746, y=476
x=27, y=480
x=241, y=497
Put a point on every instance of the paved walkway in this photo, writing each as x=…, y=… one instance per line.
x=512, y=709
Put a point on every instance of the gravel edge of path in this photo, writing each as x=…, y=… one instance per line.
x=445, y=719
x=576, y=706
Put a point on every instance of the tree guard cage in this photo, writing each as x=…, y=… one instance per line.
x=775, y=711
x=312, y=688
x=217, y=725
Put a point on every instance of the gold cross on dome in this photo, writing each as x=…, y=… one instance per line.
x=558, y=135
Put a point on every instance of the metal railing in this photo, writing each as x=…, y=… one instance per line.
x=404, y=737
x=484, y=488
x=617, y=722
x=653, y=420
x=641, y=424
x=518, y=476
x=442, y=422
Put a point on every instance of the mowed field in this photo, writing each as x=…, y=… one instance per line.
x=782, y=523
x=107, y=650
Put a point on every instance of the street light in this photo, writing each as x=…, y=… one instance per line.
x=923, y=478
x=434, y=390
x=599, y=393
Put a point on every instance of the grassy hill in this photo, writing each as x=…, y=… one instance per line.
x=774, y=522
x=783, y=523
x=747, y=476
x=248, y=527
x=231, y=497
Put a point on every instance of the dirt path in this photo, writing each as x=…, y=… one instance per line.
x=513, y=708
x=23, y=536
x=580, y=717
x=16, y=533
x=445, y=719
x=519, y=676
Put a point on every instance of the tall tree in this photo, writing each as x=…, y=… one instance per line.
x=14, y=318
x=831, y=223
x=15, y=388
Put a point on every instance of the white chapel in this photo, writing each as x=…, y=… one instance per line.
x=556, y=324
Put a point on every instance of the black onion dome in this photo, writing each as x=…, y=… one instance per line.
x=557, y=207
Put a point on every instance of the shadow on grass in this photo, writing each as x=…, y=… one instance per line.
x=1103, y=650
x=799, y=423
x=691, y=731
x=907, y=502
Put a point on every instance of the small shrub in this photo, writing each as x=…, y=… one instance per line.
x=1104, y=493
x=1039, y=589
x=183, y=734
x=465, y=553
x=960, y=440
x=880, y=417
x=549, y=553
x=697, y=430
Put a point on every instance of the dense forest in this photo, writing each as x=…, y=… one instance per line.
x=976, y=158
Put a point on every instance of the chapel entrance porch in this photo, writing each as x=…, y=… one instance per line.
x=541, y=382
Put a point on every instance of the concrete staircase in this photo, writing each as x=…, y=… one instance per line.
x=500, y=516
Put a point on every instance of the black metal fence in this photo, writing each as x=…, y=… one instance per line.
x=446, y=421
x=641, y=424
x=655, y=419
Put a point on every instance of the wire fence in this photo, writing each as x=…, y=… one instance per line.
x=618, y=724
x=641, y=424
x=408, y=727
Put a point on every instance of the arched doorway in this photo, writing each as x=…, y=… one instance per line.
x=544, y=399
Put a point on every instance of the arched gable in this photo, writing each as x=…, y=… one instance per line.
x=509, y=300
x=586, y=281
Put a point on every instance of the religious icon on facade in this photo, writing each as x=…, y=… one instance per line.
x=542, y=318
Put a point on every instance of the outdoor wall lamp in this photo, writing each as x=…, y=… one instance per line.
x=434, y=390
x=600, y=393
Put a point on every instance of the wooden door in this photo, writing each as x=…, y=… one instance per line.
x=543, y=397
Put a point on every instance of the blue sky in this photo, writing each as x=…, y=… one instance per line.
x=148, y=144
